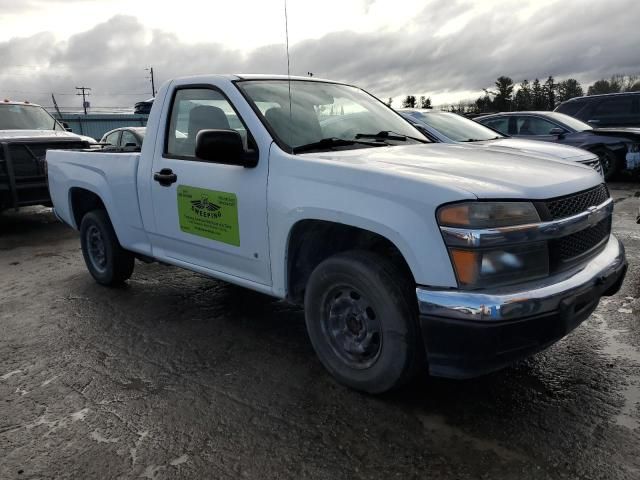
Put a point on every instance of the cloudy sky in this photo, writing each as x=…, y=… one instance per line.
x=447, y=49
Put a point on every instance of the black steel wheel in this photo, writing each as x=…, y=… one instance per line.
x=106, y=260
x=352, y=327
x=96, y=250
x=361, y=315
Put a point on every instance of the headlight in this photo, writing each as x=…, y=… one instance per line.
x=501, y=265
x=477, y=215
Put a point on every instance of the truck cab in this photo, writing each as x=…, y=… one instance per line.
x=407, y=255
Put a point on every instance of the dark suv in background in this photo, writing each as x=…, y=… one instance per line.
x=607, y=110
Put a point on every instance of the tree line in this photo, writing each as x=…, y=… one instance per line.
x=410, y=101
x=536, y=95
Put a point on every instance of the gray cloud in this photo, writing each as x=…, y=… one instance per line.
x=563, y=40
x=21, y=6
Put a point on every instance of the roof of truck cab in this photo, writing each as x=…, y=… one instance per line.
x=252, y=76
x=261, y=76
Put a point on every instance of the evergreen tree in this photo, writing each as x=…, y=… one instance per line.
x=425, y=102
x=484, y=104
x=503, y=94
x=409, y=101
x=550, y=93
x=523, y=96
x=569, y=88
x=538, y=101
x=390, y=101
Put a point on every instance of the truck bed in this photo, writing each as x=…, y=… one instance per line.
x=112, y=176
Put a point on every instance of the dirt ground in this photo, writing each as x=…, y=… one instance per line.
x=180, y=376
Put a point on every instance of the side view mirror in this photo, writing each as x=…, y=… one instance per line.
x=66, y=126
x=224, y=146
x=557, y=131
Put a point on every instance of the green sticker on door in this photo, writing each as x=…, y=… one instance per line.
x=209, y=214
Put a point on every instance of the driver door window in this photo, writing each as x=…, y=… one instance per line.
x=196, y=109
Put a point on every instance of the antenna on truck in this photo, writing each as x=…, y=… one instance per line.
x=286, y=31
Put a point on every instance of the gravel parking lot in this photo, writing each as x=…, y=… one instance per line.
x=179, y=376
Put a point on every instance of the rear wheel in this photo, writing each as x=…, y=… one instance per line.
x=106, y=260
x=362, y=321
x=609, y=161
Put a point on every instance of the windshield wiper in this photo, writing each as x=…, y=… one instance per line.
x=390, y=135
x=328, y=143
x=479, y=139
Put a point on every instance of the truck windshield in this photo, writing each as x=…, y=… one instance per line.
x=455, y=127
x=326, y=116
x=26, y=117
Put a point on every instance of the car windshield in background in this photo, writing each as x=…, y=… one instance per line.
x=455, y=127
x=573, y=123
x=26, y=117
x=327, y=116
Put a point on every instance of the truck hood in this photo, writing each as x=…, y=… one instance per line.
x=550, y=150
x=32, y=134
x=481, y=172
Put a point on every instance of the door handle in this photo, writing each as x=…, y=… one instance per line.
x=165, y=177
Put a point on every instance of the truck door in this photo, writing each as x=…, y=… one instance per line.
x=209, y=216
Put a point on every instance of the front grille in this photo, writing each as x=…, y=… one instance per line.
x=569, y=205
x=28, y=158
x=576, y=246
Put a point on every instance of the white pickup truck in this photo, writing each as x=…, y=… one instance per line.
x=406, y=254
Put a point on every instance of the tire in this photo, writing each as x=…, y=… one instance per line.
x=609, y=161
x=359, y=290
x=108, y=263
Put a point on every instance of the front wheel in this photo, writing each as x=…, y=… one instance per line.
x=106, y=260
x=362, y=321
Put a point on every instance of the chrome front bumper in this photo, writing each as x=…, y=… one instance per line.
x=537, y=298
x=470, y=333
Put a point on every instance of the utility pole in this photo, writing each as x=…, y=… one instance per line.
x=153, y=84
x=84, y=95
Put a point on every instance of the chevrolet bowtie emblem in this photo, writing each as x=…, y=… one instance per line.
x=592, y=211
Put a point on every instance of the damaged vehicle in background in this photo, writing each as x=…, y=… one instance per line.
x=407, y=255
x=447, y=127
x=618, y=148
x=27, y=131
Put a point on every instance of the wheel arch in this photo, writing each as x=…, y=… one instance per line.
x=82, y=201
x=307, y=246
